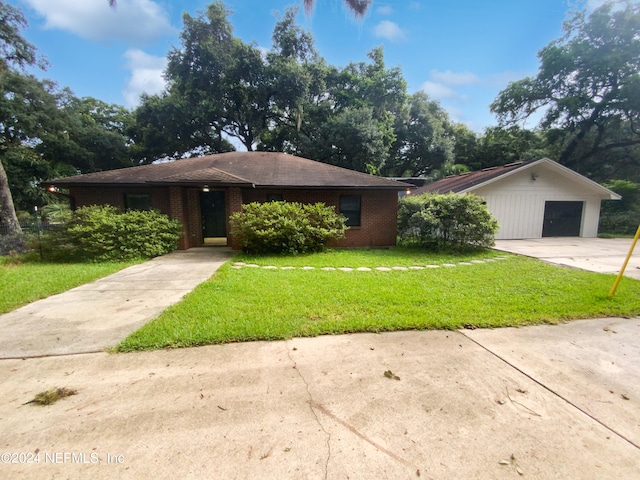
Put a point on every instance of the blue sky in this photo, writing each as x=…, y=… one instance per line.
x=461, y=52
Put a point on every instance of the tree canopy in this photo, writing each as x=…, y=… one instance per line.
x=46, y=131
x=221, y=90
x=223, y=93
x=587, y=90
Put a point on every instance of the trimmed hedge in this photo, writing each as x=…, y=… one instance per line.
x=286, y=227
x=445, y=221
x=102, y=234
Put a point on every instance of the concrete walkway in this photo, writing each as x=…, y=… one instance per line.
x=100, y=314
x=602, y=255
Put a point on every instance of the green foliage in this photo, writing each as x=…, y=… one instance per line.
x=26, y=278
x=621, y=216
x=286, y=227
x=15, y=50
x=102, y=233
x=587, y=90
x=445, y=221
x=499, y=146
x=424, y=140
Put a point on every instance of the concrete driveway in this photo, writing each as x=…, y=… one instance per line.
x=602, y=255
x=548, y=402
x=544, y=402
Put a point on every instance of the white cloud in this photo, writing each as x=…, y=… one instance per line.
x=390, y=31
x=454, y=78
x=146, y=76
x=384, y=10
x=133, y=21
x=593, y=4
x=438, y=91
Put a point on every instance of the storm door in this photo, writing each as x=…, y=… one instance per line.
x=214, y=218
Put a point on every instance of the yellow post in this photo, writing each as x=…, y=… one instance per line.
x=624, y=265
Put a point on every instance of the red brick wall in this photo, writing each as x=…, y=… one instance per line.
x=379, y=212
x=378, y=215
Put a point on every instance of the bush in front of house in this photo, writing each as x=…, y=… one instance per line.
x=103, y=233
x=286, y=227
x=440, y=221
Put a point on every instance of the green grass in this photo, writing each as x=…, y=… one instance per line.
x=263, y=304
x=25, y=282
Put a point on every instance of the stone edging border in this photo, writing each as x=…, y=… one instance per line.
x=239, y=265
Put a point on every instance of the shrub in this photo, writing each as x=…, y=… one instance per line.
x=445, y=221
x=284, y=227
x=102, y=233
x=621, y=216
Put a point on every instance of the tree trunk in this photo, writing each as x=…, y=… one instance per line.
x=8, y=221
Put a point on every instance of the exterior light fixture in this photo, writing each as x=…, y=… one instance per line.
x=205, y=189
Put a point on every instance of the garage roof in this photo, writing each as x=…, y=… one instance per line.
x=470, y=181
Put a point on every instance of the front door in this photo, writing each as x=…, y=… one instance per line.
x=214, y=217
x=562, y=219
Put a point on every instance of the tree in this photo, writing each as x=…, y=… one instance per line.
x=587, y=88
x=500, y=146
x=621, y=216
x=423, y=141
x=164, y=127
x=358, y=7
x=89, y=135
x=346, y=115
x=15, y=52
x=218, y=79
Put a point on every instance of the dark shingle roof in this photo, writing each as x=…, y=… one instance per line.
x=468, y=182
x=464, y=181
x=259, y=169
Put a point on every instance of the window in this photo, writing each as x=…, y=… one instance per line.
x=350, y=208
x=137, y=201
x=274, y=197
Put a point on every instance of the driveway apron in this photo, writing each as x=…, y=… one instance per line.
x=601, y=255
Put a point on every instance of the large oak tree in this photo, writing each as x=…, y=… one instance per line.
x=15, y=53
x=587, y=90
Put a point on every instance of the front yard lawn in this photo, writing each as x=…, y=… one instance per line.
x=242, y=303
x=25, y=282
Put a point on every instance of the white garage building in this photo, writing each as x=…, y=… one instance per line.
x=533, y=199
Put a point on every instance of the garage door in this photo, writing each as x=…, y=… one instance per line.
x=562, y=219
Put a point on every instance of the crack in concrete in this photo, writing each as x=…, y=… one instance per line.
x=311, y=403
x=552, y=391
x=360, y=435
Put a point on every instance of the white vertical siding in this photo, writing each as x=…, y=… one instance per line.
x=517, y=202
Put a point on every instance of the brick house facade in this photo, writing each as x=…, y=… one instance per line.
x=202, y=193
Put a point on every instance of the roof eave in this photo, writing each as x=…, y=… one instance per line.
x=525, y=166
